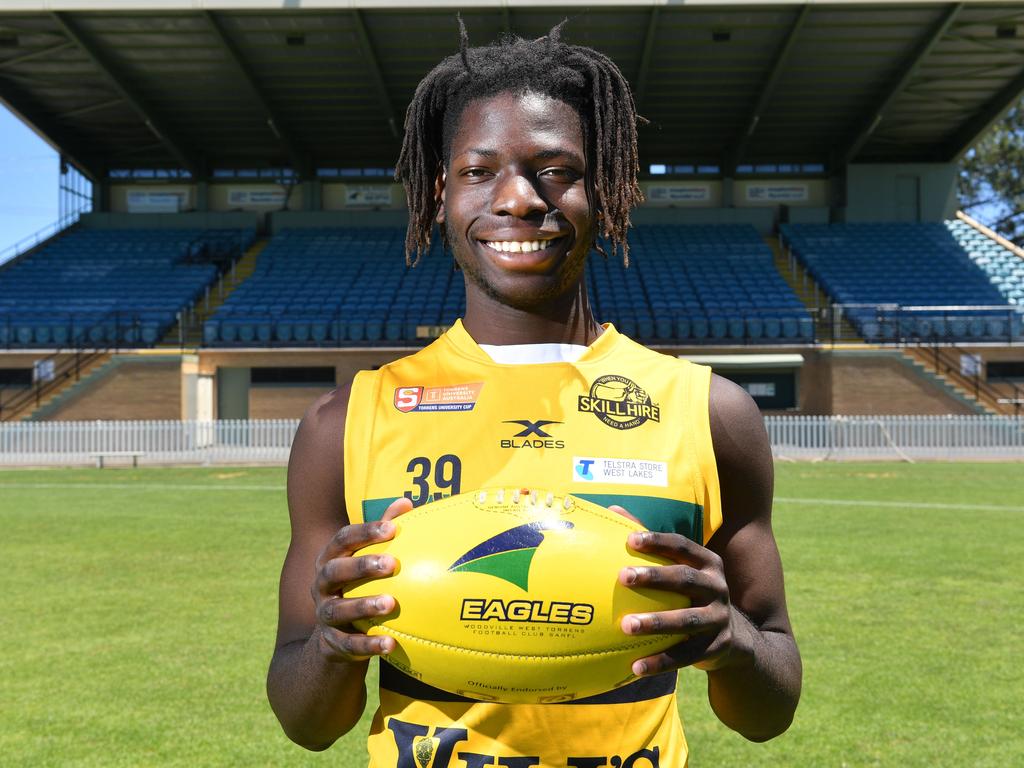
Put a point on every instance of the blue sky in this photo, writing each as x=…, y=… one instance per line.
x=29, y=168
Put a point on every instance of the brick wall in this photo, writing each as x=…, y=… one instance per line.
x=880, y=383
x=282, y=402
x=139, y=389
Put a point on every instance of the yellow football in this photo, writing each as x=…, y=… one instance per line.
x=512, y=595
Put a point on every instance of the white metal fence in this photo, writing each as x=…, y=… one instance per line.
x=907, y=438
x=155, y=442
x=247, y=442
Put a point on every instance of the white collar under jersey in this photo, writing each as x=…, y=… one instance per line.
x=526, y=354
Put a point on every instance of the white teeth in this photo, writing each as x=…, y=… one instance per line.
x=517, y=246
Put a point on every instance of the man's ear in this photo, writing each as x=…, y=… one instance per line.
x=439, y=181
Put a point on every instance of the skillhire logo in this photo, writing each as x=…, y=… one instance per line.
x=532, y=435
x=508, y=556
x=619, y=402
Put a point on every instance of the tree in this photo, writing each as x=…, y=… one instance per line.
x=991, y=180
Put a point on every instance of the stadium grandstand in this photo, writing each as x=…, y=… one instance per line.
x=230, y=242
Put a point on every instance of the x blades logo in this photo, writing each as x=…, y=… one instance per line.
x=507, y=556
x=532, y=427
x=532, y=435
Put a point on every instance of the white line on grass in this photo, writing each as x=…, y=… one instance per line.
x=897, y=504
x=146, y=486
x=778, y=499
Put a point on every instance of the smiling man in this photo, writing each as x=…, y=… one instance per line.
x=523, y=152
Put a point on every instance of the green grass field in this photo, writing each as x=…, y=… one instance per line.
x=138, y=614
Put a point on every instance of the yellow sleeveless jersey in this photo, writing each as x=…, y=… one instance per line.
x=621, y=425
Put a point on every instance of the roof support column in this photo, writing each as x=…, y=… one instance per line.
x=101, y=195
x=202, y=195
x=312, y=195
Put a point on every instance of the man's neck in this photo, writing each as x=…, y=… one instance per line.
x=489, y=321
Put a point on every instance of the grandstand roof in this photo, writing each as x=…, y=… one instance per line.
x=310, y=84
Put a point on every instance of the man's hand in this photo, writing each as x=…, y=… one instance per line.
x=706, y=628
x=337, y=566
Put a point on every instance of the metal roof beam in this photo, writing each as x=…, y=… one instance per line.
x=971, y=132
x=375, y=71
x=42, y=52
x=640, y=92
x=910, y=68
x=98, y=106
x=130, y=93
x=768, y=89
x=275, y=122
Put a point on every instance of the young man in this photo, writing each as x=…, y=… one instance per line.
x=524, y=151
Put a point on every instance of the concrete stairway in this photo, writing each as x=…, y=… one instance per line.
x=813, y=297
x=92, y=368
x=944, y=368
x=188, y=331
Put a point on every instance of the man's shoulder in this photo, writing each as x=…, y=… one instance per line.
x=742, y=449
x=731, y=407
x=325, y=417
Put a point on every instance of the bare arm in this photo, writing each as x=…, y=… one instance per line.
x=753, y=687
x=737, y=628
x=316, y=681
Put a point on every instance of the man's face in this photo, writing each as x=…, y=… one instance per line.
x=515, y=200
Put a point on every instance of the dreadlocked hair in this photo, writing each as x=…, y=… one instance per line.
x=585, y=79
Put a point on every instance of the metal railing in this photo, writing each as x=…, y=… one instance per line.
x=29, y=242
x=157, y=442
x=947, y=361
x=62, y=367
x=78, y=339
x=269, y=441
x=907, y=438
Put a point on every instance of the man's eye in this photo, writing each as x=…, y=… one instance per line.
x=475, y=172
x=564, y=174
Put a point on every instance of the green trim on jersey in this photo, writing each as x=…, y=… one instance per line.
x=663, y=515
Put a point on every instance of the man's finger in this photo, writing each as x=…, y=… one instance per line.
x=674, y=547
x=685, y=622
x=337, y=572
x=352, y=538
x=397, y=507
x=683, y=654
x=342, y=612
x=681, y=579
x=343, y=646
x=625, y=513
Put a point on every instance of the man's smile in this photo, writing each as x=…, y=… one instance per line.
x=522, y=246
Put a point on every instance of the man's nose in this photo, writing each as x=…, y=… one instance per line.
x=516, y=195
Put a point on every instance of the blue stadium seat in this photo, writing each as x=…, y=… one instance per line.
x=682, y=327
x=211, y=332
x=911, y=265
x=392, y=330
x=355, y=330
x=101, y=277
